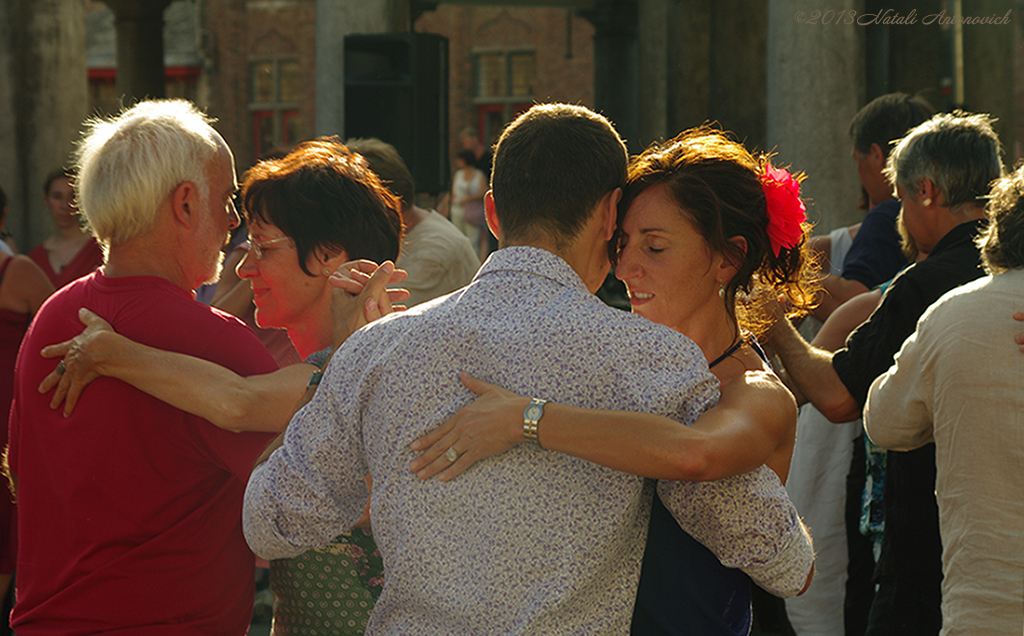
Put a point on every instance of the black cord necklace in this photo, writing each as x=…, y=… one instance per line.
x=728, y=352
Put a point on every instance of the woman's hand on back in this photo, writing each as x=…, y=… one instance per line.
x=490, y=425
x=1019, y=316
x=82, y=361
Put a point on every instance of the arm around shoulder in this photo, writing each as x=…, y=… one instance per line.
x=751, y=420
x=749, y=523
x=228, y=400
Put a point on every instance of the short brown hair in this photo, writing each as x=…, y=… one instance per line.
x=323, y=195
x=886, y=119
x=59, y=173
x=389, y=166
x=552, y=166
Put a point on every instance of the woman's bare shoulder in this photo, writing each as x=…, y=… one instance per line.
x=25, y=285
x=761, y=387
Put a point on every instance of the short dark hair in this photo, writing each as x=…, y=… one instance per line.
x=552, y=166
x=389, y=166
x=717, y=185
x=1002, y=242
x=887, y=118
x=321, y=194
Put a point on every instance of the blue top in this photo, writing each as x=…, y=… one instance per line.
x=875, y=255
x=684, y=589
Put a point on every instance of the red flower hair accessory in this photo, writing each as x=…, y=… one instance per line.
x=785, y=209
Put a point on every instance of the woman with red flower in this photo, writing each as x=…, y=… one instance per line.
x=701, y=220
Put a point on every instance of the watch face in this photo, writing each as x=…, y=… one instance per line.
x=533, y=411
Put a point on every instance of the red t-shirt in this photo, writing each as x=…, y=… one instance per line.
x=130, y=510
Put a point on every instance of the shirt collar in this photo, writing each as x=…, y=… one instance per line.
x=963, y=232
x=535, y=261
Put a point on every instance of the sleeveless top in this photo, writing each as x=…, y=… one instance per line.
x=684, y=589
x=88, y=258
x=12, y=329
x=328, y=591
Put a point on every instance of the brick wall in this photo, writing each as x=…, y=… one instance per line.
x=235, y=32
x=562, y=42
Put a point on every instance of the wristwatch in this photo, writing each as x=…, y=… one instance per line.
x=531, y=416
x=314, y=379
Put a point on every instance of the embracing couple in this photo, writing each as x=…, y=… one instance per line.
x=537, y=541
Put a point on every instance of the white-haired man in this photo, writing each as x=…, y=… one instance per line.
x=129, y=508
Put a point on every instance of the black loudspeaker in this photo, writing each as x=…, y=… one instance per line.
x=396, y=89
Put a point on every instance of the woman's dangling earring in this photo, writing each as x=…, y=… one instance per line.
x=927, y=202
x=721, y=290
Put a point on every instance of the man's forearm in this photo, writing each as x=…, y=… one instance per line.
x=809, y=370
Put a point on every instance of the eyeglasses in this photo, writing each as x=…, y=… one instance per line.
x=258, y=248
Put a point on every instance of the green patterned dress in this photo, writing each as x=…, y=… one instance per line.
x=330, y=590
x=327, y=591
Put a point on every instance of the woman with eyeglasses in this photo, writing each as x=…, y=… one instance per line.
x=309, y=214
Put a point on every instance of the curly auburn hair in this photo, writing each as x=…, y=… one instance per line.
x=717, y=185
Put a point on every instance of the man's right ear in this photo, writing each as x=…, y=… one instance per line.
x=611, y=213
x=490, y=214
x=184, y=199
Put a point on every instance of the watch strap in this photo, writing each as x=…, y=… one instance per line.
x=531, y=417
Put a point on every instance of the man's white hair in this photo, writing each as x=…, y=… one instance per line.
x=129, y=164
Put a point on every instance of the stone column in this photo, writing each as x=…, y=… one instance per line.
x=616, y=88
x=815, y=87
x=140, y=48
x=909, y=58
x=653, y=19
x=43, y=101
x=715, y=68
x=334, y=20
x=988, y=68
x=689, y=65
x=738, y=42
